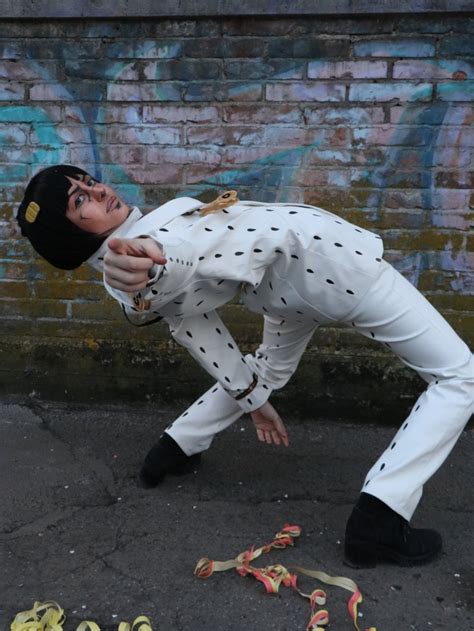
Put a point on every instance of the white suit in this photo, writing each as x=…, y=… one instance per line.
x=301, y=267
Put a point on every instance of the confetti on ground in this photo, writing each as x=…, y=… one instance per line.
x=49, y=616
x=273, y=576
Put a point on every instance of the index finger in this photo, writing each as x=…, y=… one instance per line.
x=281, y=429
x=126, y=262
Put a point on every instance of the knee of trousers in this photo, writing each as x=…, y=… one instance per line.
x=457, y=390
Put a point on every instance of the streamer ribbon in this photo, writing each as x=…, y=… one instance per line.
x=49, y=616
x=272, y=576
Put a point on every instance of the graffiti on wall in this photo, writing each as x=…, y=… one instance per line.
x=75, y=120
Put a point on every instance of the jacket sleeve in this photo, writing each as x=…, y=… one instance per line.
x=207, y=339
x=279, y=354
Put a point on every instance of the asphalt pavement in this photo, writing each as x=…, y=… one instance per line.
x=76, y=527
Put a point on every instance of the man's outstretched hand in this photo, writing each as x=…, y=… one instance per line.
x=269, y=426
x=128, y=262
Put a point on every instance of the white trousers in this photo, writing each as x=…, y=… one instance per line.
x=396, y=314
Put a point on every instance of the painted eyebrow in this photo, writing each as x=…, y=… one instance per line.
x=78, y=188
x=74, y=191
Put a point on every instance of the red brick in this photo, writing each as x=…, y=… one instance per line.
x=343, y=115
x=61, y=290
x=403, y=199
x=328, y=157
x=455, y=91
x=12, y=91
x=455, y=179
x=309, y=47
x=247, y=155
x=304, y=92
x=116, y=154
x=183, y=155
x=261, y=114
x=33, y=308
x=225, y=135
x=256, y=69
x=347, y=69
x=180, y=114
x=96, y=311
x=156, y=91
x=456, y=219
x=433, y=69
x=14, y=290
x=144, y=135
x=391, y=47
x=390, y=91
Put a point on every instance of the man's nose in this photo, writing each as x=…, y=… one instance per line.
x=98, y=192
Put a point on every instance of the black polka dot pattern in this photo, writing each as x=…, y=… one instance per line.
x=251, y=234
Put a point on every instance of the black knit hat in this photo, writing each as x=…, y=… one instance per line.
x=42, y=219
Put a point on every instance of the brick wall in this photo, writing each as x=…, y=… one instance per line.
x=370, y=117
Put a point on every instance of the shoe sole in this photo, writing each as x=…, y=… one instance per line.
x=363, y=555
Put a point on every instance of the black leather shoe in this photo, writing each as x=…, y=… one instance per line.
x=375, y=533
x=166, y=457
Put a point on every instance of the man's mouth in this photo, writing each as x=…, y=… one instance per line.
x=113, y=204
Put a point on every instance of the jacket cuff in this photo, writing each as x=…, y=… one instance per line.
x=251, y=400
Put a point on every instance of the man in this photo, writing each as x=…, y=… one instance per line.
x=300, y=267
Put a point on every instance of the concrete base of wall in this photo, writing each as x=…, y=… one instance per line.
x=333, y=381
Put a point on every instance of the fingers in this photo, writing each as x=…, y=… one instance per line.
x=126, y=264
x=138, y=247
x=282, y=434
x=126, y=273
x=118, y=246
x=273, y=436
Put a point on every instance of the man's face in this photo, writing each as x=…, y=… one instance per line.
x=94, y=207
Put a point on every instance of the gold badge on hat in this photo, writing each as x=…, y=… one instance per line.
x=32, y=212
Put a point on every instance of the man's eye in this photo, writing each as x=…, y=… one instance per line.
x=92, y=182
x=79, y=199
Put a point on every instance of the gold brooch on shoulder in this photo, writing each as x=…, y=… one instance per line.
x=223, y=201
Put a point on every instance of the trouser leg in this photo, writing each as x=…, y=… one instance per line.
x=274, y=362
x=214, y=411
x=396, y=314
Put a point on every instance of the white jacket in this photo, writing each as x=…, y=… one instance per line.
x=299, y=266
